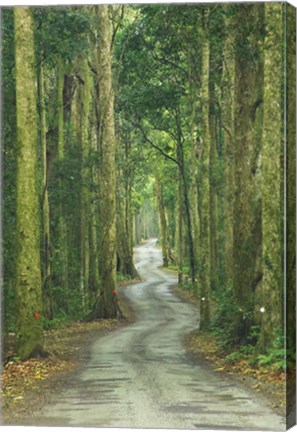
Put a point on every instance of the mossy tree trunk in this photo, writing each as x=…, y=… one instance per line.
x=163, y=223
x=47, y=283
x=289, y=13
x=184, y=202
x=28, y=268
x=124, y=253
x=195, y=57
x=247, y=146
x=215, y=25
x=291, y=172
x=228, y=154
x=270, y=295
x=107, y=307
x=94, y=278
x=62, y=254
x=124, y=225
x=203, y=198
x=179, y=237
x=85, y=199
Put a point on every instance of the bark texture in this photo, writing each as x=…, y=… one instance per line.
x=47, y=283
x=163, y=224
x=28, y=270
x=106, y=146
x=290, y=203
x=271, y=285
x=247, y=147
x=203, y=199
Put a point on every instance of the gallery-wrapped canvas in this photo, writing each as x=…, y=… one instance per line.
x=149, y=216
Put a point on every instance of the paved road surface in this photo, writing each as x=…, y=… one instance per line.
x=140, y=376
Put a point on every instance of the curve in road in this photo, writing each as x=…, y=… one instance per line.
x=140, y=376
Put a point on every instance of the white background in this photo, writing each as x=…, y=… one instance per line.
x=53, y=2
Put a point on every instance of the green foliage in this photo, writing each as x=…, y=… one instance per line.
x=245, y=352
x=173, y=266
x=230, y=321
x=234, y=356
x=277, y=357
x=60, y=32
x=122, y=278
x=56, y=322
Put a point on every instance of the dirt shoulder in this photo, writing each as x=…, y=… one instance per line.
x=28, y=385
x=204, y=347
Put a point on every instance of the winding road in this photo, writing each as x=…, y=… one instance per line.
x=141, y=376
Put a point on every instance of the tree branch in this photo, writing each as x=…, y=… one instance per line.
x=156, y=147
x=117, y=26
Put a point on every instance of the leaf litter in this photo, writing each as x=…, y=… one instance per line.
x=26, y=385
x=205, y=346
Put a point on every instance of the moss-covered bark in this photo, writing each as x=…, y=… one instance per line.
x=28, y=273
x=270, y=295
x=290, y=203
x=85, y=204
x=124, y=224
x=179, y=238
x=216, y=25
x=47, y=283
x=163, y=223
x=62, y=256
x=228, y=156
x=203, y=199
x=247, y=145
x=106, y=146
x=124, y=251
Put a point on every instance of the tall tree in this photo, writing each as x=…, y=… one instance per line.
x=271, y=291
x=216, y=29
x=106, y=146
x=203, y=198
x=47, y=283
x=85, y=200
x=289, y=88
x=228, y=149
x=163, y=223
x=62, y=252
x=28, y=270
x=247, y=125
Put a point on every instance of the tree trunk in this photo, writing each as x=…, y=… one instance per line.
x=85, y=205
x=248, y=129
x=184, y=195
x=216, y=40
x=228, y=156
x=163, y=224
x=203, y=163
x=179, y=238
x=106, y=146
x=124, y=215
x=270, y=291
x=94, y=277
x=62, y=227
x=290, y=203
x=47, y=288
x=28, y=270
x=125, y=255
